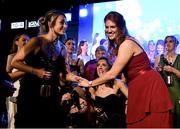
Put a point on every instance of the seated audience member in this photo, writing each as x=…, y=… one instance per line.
x=75, y=109
x=108, y=104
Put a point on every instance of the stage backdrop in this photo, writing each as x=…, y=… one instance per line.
x=146, y=19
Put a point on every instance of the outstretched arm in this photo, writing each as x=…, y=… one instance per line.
x=69, y=76
x=125, y=52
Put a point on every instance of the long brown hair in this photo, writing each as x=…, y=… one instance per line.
x=79, y=51
x=120, y=22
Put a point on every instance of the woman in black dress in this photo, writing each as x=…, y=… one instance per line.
x=43, y=59
x=108, y=103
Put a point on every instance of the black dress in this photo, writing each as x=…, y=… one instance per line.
x=38, y=105
x=113, y=107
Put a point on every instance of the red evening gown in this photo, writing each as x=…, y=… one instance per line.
x=149, y=102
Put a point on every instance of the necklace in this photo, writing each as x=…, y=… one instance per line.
x=171, y=58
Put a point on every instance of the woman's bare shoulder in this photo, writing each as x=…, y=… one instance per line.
x=11, y=55
x=35, y=41
x=134, y=45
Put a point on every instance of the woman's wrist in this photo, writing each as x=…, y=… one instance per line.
x=33, y=70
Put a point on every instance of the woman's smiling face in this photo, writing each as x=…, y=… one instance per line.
x=111, y=29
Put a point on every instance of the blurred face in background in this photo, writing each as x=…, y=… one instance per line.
x=70, y=45
x=151, y=46
x=160, y=49
x=22, y=40
x=84, y=48
x=100, y=53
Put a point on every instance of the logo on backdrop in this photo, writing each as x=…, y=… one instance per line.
x=24, y=24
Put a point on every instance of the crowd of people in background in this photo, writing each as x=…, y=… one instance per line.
x=55, y=82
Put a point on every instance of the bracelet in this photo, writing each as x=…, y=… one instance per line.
x=90, y=83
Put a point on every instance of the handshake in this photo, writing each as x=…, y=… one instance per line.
x=84, y=82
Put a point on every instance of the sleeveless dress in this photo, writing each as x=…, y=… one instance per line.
x=149, y=101
x=38, y=100
x=112, y=107
x=174, y=90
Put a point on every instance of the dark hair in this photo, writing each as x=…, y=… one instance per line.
x=50, y=17
x=176, y=42
x=120, y=22
x=70, y=38
x=110, y=83
x=14, y=47
x=107, y=60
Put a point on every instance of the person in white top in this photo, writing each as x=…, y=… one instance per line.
x=82, y=51
x=19, y=41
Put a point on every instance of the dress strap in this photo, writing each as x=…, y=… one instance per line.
x=134, y=40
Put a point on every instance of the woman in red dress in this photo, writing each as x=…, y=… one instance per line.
x=149, y=103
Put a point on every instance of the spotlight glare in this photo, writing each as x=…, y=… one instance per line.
x=83, y=12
